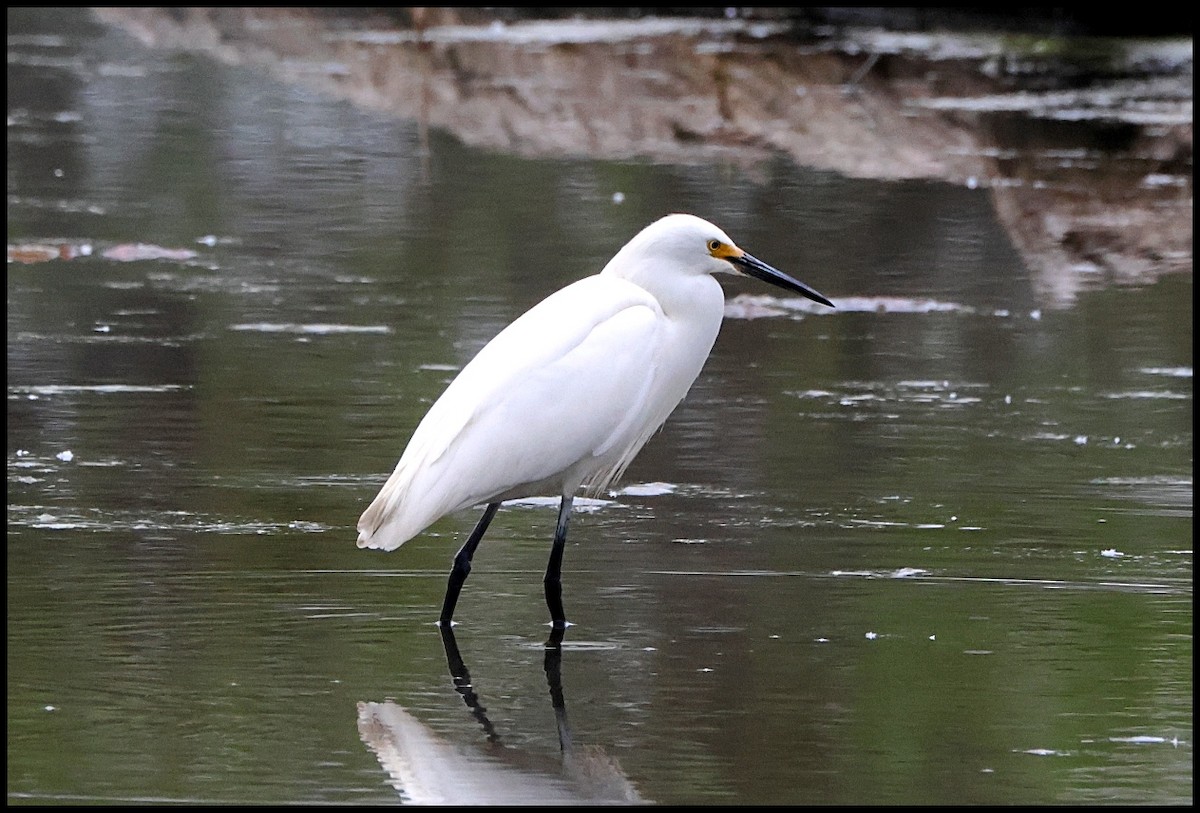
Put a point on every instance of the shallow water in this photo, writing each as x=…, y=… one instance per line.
x=933, y=547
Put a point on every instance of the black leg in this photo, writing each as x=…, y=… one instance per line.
x=553, y=580
x=462, y=564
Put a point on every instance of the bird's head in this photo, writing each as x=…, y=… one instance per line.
x=688, y=245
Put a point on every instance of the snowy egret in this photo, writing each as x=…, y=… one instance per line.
x=565, y=396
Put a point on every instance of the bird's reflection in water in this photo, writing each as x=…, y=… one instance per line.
x=426, y=769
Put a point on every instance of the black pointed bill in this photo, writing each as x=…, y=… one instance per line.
x=759, y=270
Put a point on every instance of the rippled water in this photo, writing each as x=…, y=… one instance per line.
x=932, y=547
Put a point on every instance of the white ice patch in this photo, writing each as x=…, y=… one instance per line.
x=307, y=329
x=584, y=504
x=647, y=489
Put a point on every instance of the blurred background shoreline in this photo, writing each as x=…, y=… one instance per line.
x=1083, y=138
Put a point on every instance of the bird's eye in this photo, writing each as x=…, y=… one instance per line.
x=713, y=245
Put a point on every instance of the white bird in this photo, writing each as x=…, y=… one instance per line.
x=565, y=396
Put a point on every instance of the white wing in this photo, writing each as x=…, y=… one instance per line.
x=557, y=396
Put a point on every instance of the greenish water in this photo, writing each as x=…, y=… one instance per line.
x=891, y=554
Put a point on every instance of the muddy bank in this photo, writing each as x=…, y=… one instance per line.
x=1084, y=144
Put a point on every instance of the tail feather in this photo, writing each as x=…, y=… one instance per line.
x=405, y=506
x=381, y=526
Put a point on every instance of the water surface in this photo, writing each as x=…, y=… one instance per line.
x=931, y=548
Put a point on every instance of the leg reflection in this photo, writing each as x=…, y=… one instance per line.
x=462, y=682
x=425, y=768
x=553, y=666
